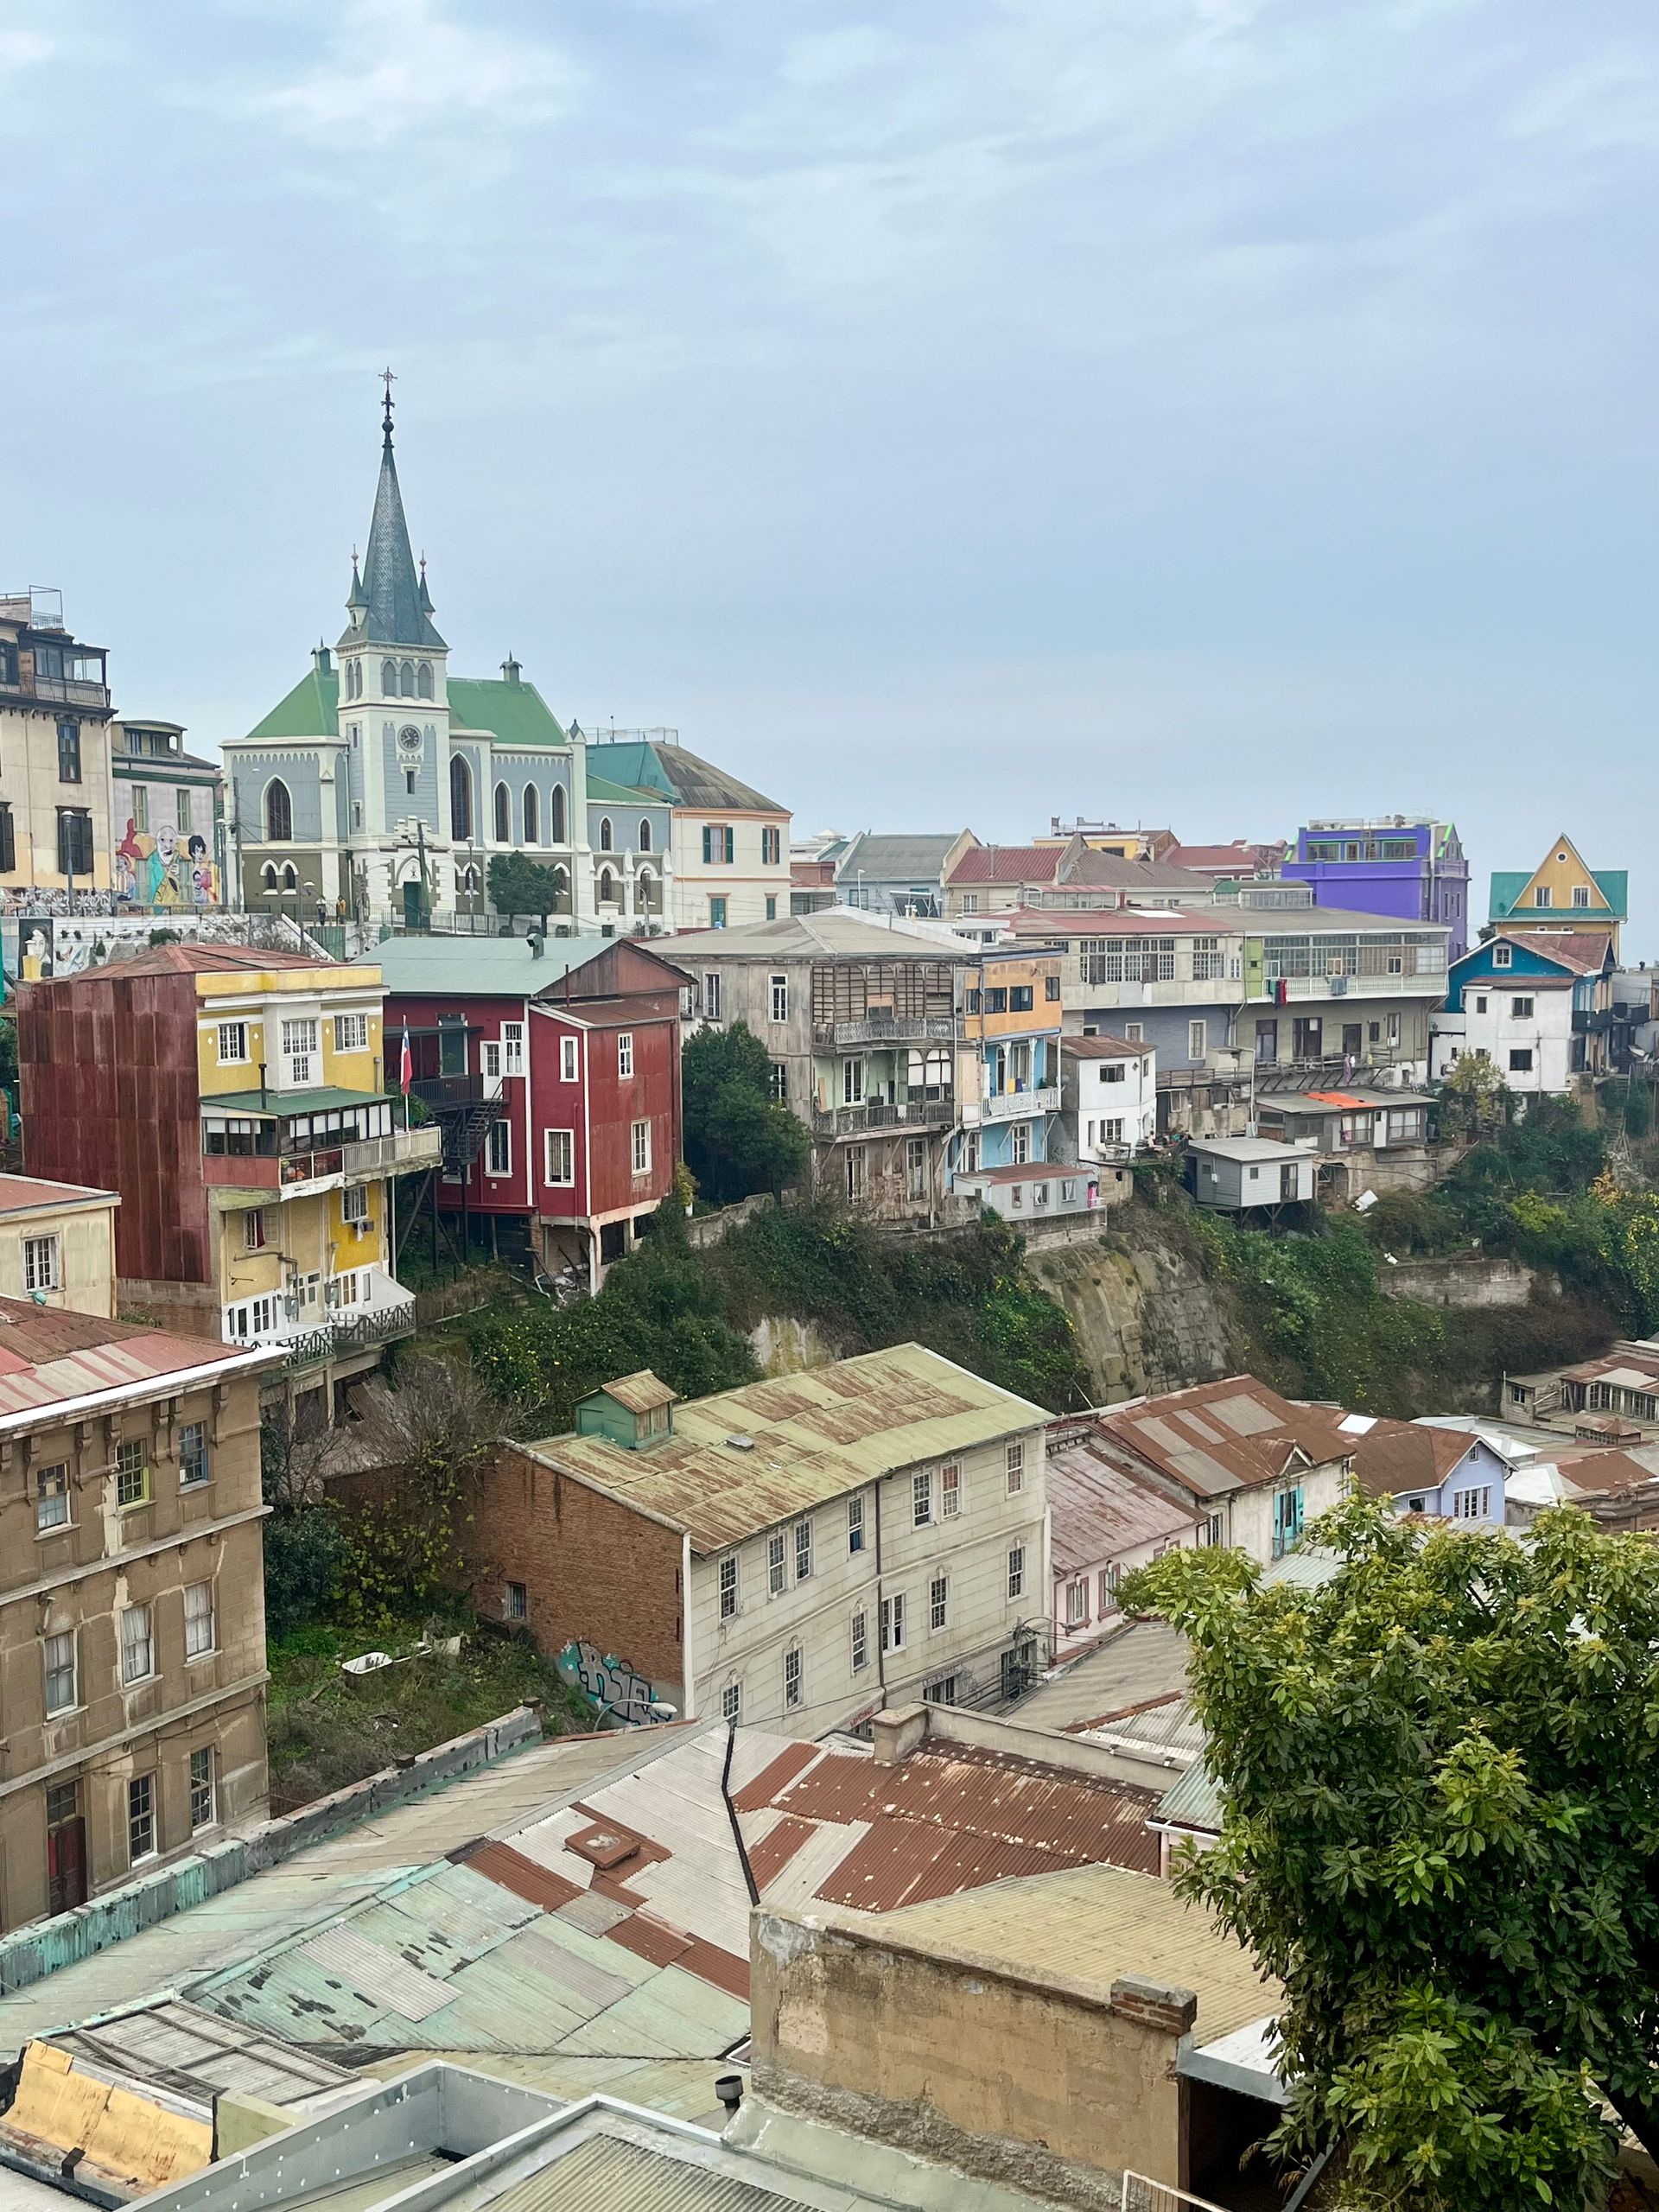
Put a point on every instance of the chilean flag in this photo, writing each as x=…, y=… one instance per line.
x=406, y=1064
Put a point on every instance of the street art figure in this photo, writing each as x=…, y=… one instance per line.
x=610, y=1683
x=156, y=870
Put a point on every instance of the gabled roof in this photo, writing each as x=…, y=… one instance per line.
x=1100, y=1502
x=898, y=858
x=835, y=932
x=647, y=764
x=33, y=1194
x=499, y=968
x=1509, y=887
x=1101, y=1048
x=1581, y=952
x=515, y=712
x=1226, y=1436
x=193, y=960
x=1394, y=1458
x=50, y=1358
x=1073, y=863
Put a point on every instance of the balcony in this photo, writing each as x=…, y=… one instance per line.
x=1430, y=984
x=1592, y=1021
x=405, y=1151
x=877, y=1113
x=384, y=1314
x=454, y=1094
x=886, y=1029
x=1019, y=1105
x=352, y=1332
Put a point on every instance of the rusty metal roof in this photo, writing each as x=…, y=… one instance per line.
x=33, y=1194
x=50, y=1357
x=1226, y=1436
x=641, y=1393
x=742, y=1460
x=1101, y=1503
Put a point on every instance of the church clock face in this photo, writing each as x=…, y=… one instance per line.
x=408, y=739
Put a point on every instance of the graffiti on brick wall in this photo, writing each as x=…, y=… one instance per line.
x=610, y=1684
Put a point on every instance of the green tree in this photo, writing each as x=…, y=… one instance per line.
x=1440, y=1780
x=518, y=885
x=738, y=1139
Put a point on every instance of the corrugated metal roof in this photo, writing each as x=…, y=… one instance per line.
x=190, y=2053
x=1193, y=1801
x=1100, y=1504
x=620, y=2176
x=640, y=1392
x=1225, y=1435
x=817, y=1437
x=1091, y=1924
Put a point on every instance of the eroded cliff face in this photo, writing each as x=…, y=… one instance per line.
x=1146, y=1316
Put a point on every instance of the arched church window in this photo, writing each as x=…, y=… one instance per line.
x=607, y=887
x=606, y=841
x=279, y=812
x=645, y=887
x=555, y=815
x=291, y=877
x=532, y=815
x=460, y=798
x=424, y=680
x=407, y=683
x=503, y=815
x=644, y=836
x=389, y=679
x=268, y=876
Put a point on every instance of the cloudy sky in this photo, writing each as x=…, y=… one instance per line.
x=1208, y=411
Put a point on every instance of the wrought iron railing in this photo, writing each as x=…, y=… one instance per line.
x=381, y=1324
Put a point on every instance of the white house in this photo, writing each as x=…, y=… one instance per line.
x=1108, y=1095
x=1537, y=1007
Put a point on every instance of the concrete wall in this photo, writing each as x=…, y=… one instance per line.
x=1464, y=1282
x=1040, y=2085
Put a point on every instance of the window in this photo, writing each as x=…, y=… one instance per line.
x=777, y=1568
x=777, y=1083
x=607, y=892
x=996, y=1000
x=279, y=812
x=199, y=1624
x=1051, y=988
x=857, y=1173
x=642, y=1148
x=1020, y=1144
x=731, y=1704
x=137, y=1645
x=855, y=1524
x=141, y=1818
x=192, y=1453
x=1017, y=1572
x=1522, y=1009
x=517, y=1602
x=354, y=1203
x=1521, y=1060
x=717, y=845
x=916, y=1167
x=253, y=1229
x=950, y=1491
x=1107, y=1597
x=503, y=815
x=8, y=840
x=232, y=1044
x=772, y=846
x=1132, y=1032
x=62, y=1688
x=1197, y=1039
x=970, y=902
x=513, y=1048
x=1212, y=1531
x=1471, y=1505
x=351, y=1033
x=1077, y=1602
x=861, y=1640
x=51, y=1498
x=561, y=1145
x=41, y=1270
x=802, y=1550
x=532, y=815
x=569, y=1059
x=1581, y=894
x=1480, y=1008
x=1020, y=998
x=139, y=798
x=74, y=840
x=921, y=1498
x=728, y=1587
x=944, y=1691
x=1015, y=1457
x=1307, y=1037
x=780, y=998
x=460, y=800
x=711, y=996
x=716, y=913
x=7, y=663
x=893, y=1623
x=182, y=810
x=939, y=1602
x=772, y=906
x=852, y=1083
x=1543, y=896
x=69, y=752
x=299, y=1049
x=499, y=1156
x=791, y=1679
x=201, y=1789
x=625, y=1053
x=1503, y=956
x=1114, y=1071
x=132, y=1473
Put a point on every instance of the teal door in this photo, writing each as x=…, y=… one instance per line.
x=1287, y=1520
x=411, y=905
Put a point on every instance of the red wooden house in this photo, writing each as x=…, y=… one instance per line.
x=556, y=1074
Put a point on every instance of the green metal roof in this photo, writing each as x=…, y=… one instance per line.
x=1511, y=884
x=611, y=794
x=284, y=1102
x=516, y=713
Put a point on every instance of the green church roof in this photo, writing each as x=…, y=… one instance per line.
x=515, y=712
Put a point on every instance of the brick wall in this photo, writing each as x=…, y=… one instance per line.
x=591, y=1567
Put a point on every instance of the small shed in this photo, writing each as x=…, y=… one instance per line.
x=1036, y=1190
x=1233, y=1174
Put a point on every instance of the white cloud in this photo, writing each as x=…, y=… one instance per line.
x=399, y=66
x=22, y=50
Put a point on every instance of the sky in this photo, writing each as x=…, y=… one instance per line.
x=1216, y=413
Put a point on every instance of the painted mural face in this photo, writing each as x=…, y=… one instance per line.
x=156, y=871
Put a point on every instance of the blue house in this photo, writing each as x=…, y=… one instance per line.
x=1445, y=1474
x=1537, y=1005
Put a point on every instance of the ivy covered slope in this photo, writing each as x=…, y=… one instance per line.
x=686, y=1314
x=1317, y=1323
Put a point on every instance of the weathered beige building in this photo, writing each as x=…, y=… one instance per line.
x=132, y=1656
x=55, y=781
x=57, y=1244
x=796, y=1554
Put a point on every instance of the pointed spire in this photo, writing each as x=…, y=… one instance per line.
x=395, y=607
x=355, y=602
x=426, y=596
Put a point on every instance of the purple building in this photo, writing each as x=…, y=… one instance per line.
x=1400, y=864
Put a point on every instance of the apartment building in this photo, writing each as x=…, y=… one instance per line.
x=1538, y=1005
x=1409, y=866
x=863, y=1021
x=236, y=1101
x=132, y=1649
x=986, y=885
x=728, y=860
x=56, y=784
x=57, y=1245
x=901, y=873
x=170, y=819
x=1009, y=1055
x=1109, y=1098
x=795, y=1553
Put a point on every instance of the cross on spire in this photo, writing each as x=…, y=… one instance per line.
x=388, y=380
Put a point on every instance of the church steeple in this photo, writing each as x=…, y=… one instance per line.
x=390, y=605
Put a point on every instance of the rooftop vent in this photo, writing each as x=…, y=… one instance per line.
x=741, y=1443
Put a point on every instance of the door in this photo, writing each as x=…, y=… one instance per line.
x=412, y=906
x=1287, y=1520
x=452, y=1047
x=66, y=1848
x=1353, y=1038
x=1267, y=1043
x=1288, y=1181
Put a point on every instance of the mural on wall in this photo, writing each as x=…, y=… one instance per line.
x=159, y=869
x=610, y=1683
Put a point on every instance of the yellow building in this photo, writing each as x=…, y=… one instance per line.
x=238, y=1101
x=55, y=786
x=1561, y=896
x=57, y=1245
